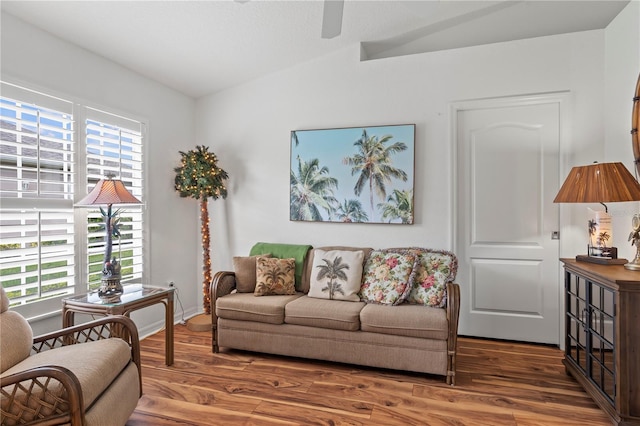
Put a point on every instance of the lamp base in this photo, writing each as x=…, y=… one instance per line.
x=110, y=287
x=600, y=260
x=634, y=265
x=603, y=252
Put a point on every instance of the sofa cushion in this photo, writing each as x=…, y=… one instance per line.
x=336, y=274
x=245, y=271
x=306, y=279
x=246, y=307
x=94, y=377
x=387, y=277
x=274, y=276
x=323, y=313
x=434, y=270
x=405, y=320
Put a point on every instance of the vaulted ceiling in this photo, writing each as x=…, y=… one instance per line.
x=201, y=47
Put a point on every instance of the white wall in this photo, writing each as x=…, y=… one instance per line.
x=622, y=67
x=248, y=127
x=33, y=57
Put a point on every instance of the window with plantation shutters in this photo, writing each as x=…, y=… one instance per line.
x=53, y=152
x=37, y=180
x=114, y=147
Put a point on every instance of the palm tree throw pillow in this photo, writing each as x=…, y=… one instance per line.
x=275, y=276
x=336, y=275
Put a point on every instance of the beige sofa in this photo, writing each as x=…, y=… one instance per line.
x=409, y=334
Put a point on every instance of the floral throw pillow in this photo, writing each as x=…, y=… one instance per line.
x=435, y=268
x=275, y=276
x=336, y=274
x=387, y=277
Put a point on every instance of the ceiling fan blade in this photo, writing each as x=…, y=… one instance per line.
x=332, y=18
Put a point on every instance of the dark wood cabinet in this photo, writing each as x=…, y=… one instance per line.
x=602, y=338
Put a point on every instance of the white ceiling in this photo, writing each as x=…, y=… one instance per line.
x=201, y=47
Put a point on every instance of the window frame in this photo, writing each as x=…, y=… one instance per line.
x=113, y=121
x=41, y=309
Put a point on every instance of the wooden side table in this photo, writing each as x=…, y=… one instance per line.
x=135, y=296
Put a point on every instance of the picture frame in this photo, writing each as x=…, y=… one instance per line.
x=361, y=174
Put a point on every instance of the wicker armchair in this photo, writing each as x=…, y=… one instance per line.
x=88, y=374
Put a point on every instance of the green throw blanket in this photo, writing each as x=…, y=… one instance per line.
x=284, y=251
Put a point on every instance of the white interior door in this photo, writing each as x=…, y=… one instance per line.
x=507, y=170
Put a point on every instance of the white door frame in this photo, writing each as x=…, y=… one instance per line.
x=563, y=99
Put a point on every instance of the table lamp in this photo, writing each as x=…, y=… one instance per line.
x=109, y=191
x=599, y=183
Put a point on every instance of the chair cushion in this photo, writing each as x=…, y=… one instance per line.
x=4, y=301
x=247, y=307
x=17, y=337
x=405, y=320
x=324, y=313
x=116, y=405
x=95, y=364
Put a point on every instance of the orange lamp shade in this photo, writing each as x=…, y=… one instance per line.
x=599, y=183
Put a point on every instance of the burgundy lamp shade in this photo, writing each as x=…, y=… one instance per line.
x=599, y=183
x=108, y=191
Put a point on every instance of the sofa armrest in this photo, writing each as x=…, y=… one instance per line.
x=223, y=283
x=116, y=326
x=453, y=314
x=34, y=395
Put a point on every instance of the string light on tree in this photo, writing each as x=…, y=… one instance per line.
x=200, y=177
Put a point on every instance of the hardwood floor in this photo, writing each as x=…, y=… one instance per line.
x=497, y=383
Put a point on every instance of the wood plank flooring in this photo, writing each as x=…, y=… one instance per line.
x=497, y=383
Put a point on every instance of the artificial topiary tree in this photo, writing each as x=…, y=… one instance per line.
x=200, y=177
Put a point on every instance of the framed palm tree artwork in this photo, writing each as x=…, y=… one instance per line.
x=353, y=175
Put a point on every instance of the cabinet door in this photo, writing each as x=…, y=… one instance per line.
x=576, y=320
x=601, y=362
